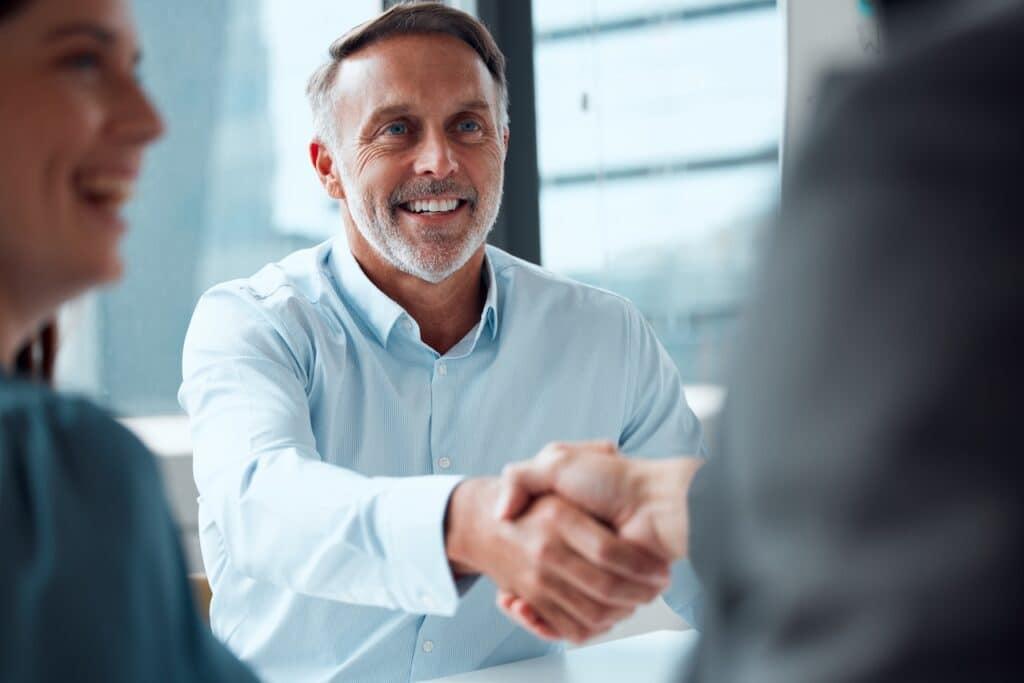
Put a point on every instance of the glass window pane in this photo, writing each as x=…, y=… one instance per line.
x=229, y=188
x=660, y=94
x=592, y=229
x=554, y=15
x=658, y=148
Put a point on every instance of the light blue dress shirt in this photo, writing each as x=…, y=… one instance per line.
x=328, y=438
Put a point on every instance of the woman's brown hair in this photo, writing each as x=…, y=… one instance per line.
x=10, y=7
x=37, y=359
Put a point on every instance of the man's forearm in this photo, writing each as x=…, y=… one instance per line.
x=328, y=540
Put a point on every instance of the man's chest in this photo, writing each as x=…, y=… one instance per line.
x=470, y=415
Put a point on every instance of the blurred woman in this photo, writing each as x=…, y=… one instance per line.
x=92, y=580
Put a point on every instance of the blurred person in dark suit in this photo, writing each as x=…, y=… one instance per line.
x=867, y=521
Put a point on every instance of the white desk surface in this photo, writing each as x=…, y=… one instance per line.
x=658, y=657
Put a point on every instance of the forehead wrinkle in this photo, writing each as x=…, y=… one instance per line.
x=386, y=110
x=372, y=76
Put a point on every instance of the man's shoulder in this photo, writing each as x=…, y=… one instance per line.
x=301, y=274
x=542, y=289
x=299, y=280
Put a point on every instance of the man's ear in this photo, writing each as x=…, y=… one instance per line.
x=326, y=169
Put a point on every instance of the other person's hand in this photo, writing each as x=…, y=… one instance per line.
x=577, y=575
x=643, y=500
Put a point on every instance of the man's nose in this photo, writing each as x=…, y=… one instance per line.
x=435, y=156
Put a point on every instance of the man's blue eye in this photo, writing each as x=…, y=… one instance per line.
x=396, y=129
x=469, y=126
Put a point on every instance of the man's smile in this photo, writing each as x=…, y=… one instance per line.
x=442, y=207
x=432, y=205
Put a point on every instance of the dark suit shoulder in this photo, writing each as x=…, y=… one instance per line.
x=873, y=529
x=953, y=93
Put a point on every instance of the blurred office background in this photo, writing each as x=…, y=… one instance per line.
x=644, y=157
x=653, y=132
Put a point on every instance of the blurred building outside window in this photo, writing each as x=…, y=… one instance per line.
x=658, y=125
x=228, y=190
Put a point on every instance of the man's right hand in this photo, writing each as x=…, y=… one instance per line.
x=643, y=500
x=574, y=571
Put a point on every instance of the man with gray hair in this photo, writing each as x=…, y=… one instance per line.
x=352, y=404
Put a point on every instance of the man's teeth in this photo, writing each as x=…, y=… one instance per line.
x=433, y=205
x=107, y=189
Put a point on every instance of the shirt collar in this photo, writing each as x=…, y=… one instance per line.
x=490, y=313
x=381, y=312
x=374, y=306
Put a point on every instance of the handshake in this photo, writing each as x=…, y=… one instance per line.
x=576, y=538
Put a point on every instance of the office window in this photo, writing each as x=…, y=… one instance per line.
x=658, y=124
x=228, y=189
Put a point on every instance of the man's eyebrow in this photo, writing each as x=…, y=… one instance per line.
x=389, y=110
x=473, y=105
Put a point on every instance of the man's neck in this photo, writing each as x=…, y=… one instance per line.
x=445, y=311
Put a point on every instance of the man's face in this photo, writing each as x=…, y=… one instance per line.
x=421, y=151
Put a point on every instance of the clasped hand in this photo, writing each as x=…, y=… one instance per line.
x=575, y=573
x=641, y=502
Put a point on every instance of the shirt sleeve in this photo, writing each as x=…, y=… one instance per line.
x=286, y=516
x=93, y=578
x=659, y=423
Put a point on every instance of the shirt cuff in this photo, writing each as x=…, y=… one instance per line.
x=412, y=511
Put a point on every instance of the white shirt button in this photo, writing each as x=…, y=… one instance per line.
x=427, y=601
x=428, y=646
x=444, y=462
x=407, y=324
x=442, y=369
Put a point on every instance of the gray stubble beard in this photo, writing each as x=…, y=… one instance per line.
x=384, y=234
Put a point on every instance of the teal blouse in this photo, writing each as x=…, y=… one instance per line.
x=92, y=578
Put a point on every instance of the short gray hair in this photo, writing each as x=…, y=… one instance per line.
x=414, y=18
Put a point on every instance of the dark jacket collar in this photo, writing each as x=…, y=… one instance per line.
x=908, y=20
